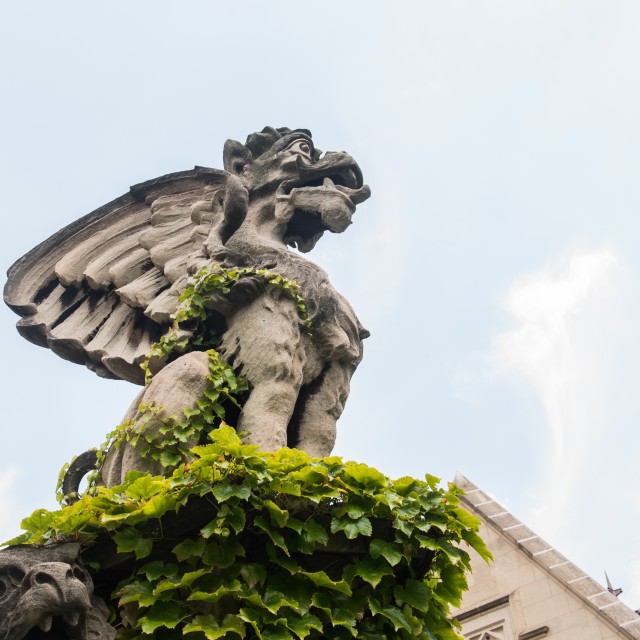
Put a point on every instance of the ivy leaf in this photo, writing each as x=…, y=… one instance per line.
x=310, y=475
x=352, y=528
x=214, y=596
x=414, y=593
x=222, y=555
x=224, y=435
x=144, y=487
x=162, y=614
x=315, y=533
x=106, y=518
x=303, y=625
x=407, y=510
x=321, y=579
x=431, y=499
x=137, y=591
x=131, y=540
x=391, y=613
x=253, y=574
x=169, y=459
x=473, y=539
x=432, y=481
x=429, y=520
x=37, y=521
x=371, y=571
x=388, y=550
x=154, y=570
x=158, y=506
x=403, y=486
x=235, y=517
x=275, y=600
x=453, y=553
x=212, y=630
x=295, y=524
x=452, y=584
x=273, y=632
x=366, y=476
x=225, y=490
x=278, y=516
x=354, y=511
x=276, y=537
x=343, y=618
x=189, y=548
x=209, y=529
x=257, y=618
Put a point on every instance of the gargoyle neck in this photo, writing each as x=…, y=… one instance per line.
x=261, y=222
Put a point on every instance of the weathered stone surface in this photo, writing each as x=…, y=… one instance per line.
x=45, y=592
x=102, y=290
x=531, y=590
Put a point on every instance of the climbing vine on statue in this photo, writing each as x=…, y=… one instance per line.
x=170, y=443
x=193, y=309
x=284, y=546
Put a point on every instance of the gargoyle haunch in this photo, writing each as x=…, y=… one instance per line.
x=102, y=290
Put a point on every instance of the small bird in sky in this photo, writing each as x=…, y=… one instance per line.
x=615, y=592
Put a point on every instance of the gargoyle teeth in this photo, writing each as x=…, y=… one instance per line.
x=72, y=618
x=328, y=182
x=45, y=624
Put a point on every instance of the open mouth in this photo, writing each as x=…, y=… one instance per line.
x=348, y=176
x=303, y=228
x=69, y=624
x=327, y=197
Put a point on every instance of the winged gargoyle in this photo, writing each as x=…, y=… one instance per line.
x=102, y=290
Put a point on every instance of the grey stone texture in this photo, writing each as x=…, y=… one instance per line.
x=103, y=289
x=45, y=592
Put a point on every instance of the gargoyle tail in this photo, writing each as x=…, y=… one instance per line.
x=77, y=470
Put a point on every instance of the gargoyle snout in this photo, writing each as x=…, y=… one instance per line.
x=60, y=580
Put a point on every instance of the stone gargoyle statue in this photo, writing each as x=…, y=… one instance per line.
x=102, y=290
x=45, y=592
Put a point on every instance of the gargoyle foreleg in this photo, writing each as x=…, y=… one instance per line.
x=265, y=343
x=322, y=403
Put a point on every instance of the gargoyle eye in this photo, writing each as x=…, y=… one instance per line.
x=300, y=146
x=10, y=577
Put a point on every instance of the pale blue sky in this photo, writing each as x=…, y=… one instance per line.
x=496, y=263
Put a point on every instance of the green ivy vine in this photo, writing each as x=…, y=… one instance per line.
x=288, y=547
x=193, y=309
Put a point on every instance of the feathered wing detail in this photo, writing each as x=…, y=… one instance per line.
x=101, y=291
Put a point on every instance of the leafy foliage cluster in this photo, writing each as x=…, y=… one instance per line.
x=289, y=547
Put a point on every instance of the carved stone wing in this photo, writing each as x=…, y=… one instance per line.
x=101, y=291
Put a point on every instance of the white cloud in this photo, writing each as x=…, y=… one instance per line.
x=562, y=315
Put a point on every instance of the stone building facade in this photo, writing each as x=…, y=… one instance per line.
x=531, y=591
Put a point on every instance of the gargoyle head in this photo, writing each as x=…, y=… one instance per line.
x=46, y=593
x=313, y=192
